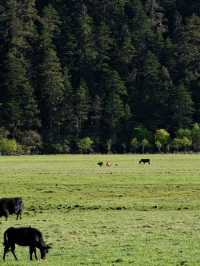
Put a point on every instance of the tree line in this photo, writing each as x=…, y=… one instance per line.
x=82, y=76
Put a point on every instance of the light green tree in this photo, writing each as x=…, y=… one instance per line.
x=162, y=136
x=144, y=145
x=196, y=137
x=181, y=143
x=176, y=144
x=8, y=146
x=85, y=145
x=134, y=145
x=158, y=145
x=184, y=132
x=187, y=143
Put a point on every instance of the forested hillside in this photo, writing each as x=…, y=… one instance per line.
x=101, y=75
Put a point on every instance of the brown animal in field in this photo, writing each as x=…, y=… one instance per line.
x=108, y=163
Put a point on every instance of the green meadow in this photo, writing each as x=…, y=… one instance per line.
x=126, y=214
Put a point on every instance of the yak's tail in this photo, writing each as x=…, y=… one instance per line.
x=5, y=238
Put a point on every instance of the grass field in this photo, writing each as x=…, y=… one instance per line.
x=128, y=214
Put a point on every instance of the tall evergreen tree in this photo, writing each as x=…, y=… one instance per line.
x=189, y=52
x=19, y=105
x=81, y=107
x=51, y=79
x=153, y=93
x=86, y=38
x=183, y=108
x=114, y=111
x=68, y=118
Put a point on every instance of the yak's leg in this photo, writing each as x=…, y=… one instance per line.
x=31, y=251
x=6, y=213
x=6, y=249
x=35, y=253
x=18, y=215
x=13, y=251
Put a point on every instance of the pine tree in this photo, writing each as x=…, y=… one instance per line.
x=189, y=52
x=86, y=39
x=19, y=105
x=51, y=79
x=81, y=105
x=95, y=116
x=183, y=108
x=154, y=88
x=104, y=44
x=114, y=109
x=67, y=108
x=21, y=109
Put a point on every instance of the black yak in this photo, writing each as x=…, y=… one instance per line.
x=100, y=163
x=25, y=236
x=11, y=206
x=144, y=161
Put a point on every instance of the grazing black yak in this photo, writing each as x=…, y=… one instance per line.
x=25, y=236
x=100, y=163
x=144, y=161
x=11, y=206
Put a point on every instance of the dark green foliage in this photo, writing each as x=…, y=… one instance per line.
x=51, y=85
x=183, y=107
x=19, y=107
x=81, y=107
x=104, y=70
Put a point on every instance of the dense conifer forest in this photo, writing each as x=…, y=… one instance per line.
x=99, y=75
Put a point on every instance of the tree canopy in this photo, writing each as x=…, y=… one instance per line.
x=112, y=72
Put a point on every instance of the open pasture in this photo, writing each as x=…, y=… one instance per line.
x=126, y=214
